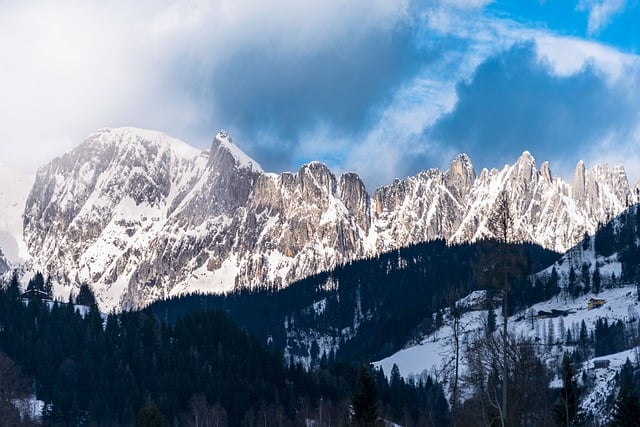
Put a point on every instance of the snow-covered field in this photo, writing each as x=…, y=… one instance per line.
x=434, y=355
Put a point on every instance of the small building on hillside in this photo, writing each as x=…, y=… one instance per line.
x=595, y=303
x=601, y=364
x=35, y=293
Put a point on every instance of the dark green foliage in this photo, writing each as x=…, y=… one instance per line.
x=13, y=386
x=566, y=408
x=571, y=286
x=626, y=411
x=40, y=287
x=584, y=334
x=149, y=416
x=365, y=400
x=13, y=289
x=375, y=290
x=605, y=242
x=596, y=281
x=86, y=296
x=36, y=282
x=89, y=374
x=609, y=338
x=626, y=244
x=552, y=288
x=586, y=279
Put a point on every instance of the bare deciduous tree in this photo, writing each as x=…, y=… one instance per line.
x=528, y=402
x=203, y=415
x=499, y=263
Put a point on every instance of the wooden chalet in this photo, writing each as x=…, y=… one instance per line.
x=595, y=303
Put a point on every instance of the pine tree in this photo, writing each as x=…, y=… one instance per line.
x=37, y=282
x=149, y=416
x=571, y=287
x=584, y=334
x=586, y=286
x=48, y=287
x=86, y=296
x=565, y=410
x=13, y=291
x=552, y=284
x=627, y=405
x=365, y=400
x=596, y=281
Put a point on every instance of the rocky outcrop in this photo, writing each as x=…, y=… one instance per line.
x=142, y=216
x=4, y=265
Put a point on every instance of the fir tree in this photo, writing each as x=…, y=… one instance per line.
x=597, y=281
x=365, y=400
x=586, y=285
x=552, y=284
x=36, y=283
x=565, y=410
x=13, y=291
x=48, y=287
x=149, y=416
x=571, y=287
x=86, y=296
x=627, y=405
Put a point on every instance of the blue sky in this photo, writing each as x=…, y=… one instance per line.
x=385, y=88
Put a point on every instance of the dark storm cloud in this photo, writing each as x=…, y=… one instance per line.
x=514, y=102
x=270, y=98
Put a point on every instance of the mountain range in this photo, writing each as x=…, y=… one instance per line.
x=142, y=216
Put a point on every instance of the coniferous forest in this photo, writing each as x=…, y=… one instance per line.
x=134, y=369
x=392, y=298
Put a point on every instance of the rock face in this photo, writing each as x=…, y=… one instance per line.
x=4, y=265
x=14, y=188
x=142, y=216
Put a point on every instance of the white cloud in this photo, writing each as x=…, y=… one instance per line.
x=568, y=55
x=601, y=12
x=398, y=135
x=467, y=4
x=70, y=67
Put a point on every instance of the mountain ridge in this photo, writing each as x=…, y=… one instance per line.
x=140, y=220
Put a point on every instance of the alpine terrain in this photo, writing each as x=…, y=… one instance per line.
x=14, y=188
x=141, y=216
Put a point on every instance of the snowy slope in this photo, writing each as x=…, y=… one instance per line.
x=14, y=189
x=434, y=354
x=99, y=205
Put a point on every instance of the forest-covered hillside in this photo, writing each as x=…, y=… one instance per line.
x=131, y=368
x=366, y=309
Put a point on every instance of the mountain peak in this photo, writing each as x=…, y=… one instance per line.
x=460, y=176
x=131, y=136
x=224, y=142
x=546, y=172
x=526, y=157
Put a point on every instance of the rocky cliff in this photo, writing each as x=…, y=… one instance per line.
x=142, y=216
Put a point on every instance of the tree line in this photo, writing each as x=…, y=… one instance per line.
x=132, y=368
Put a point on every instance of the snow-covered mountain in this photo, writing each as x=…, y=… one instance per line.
x=142, y=216
x=14, y=189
